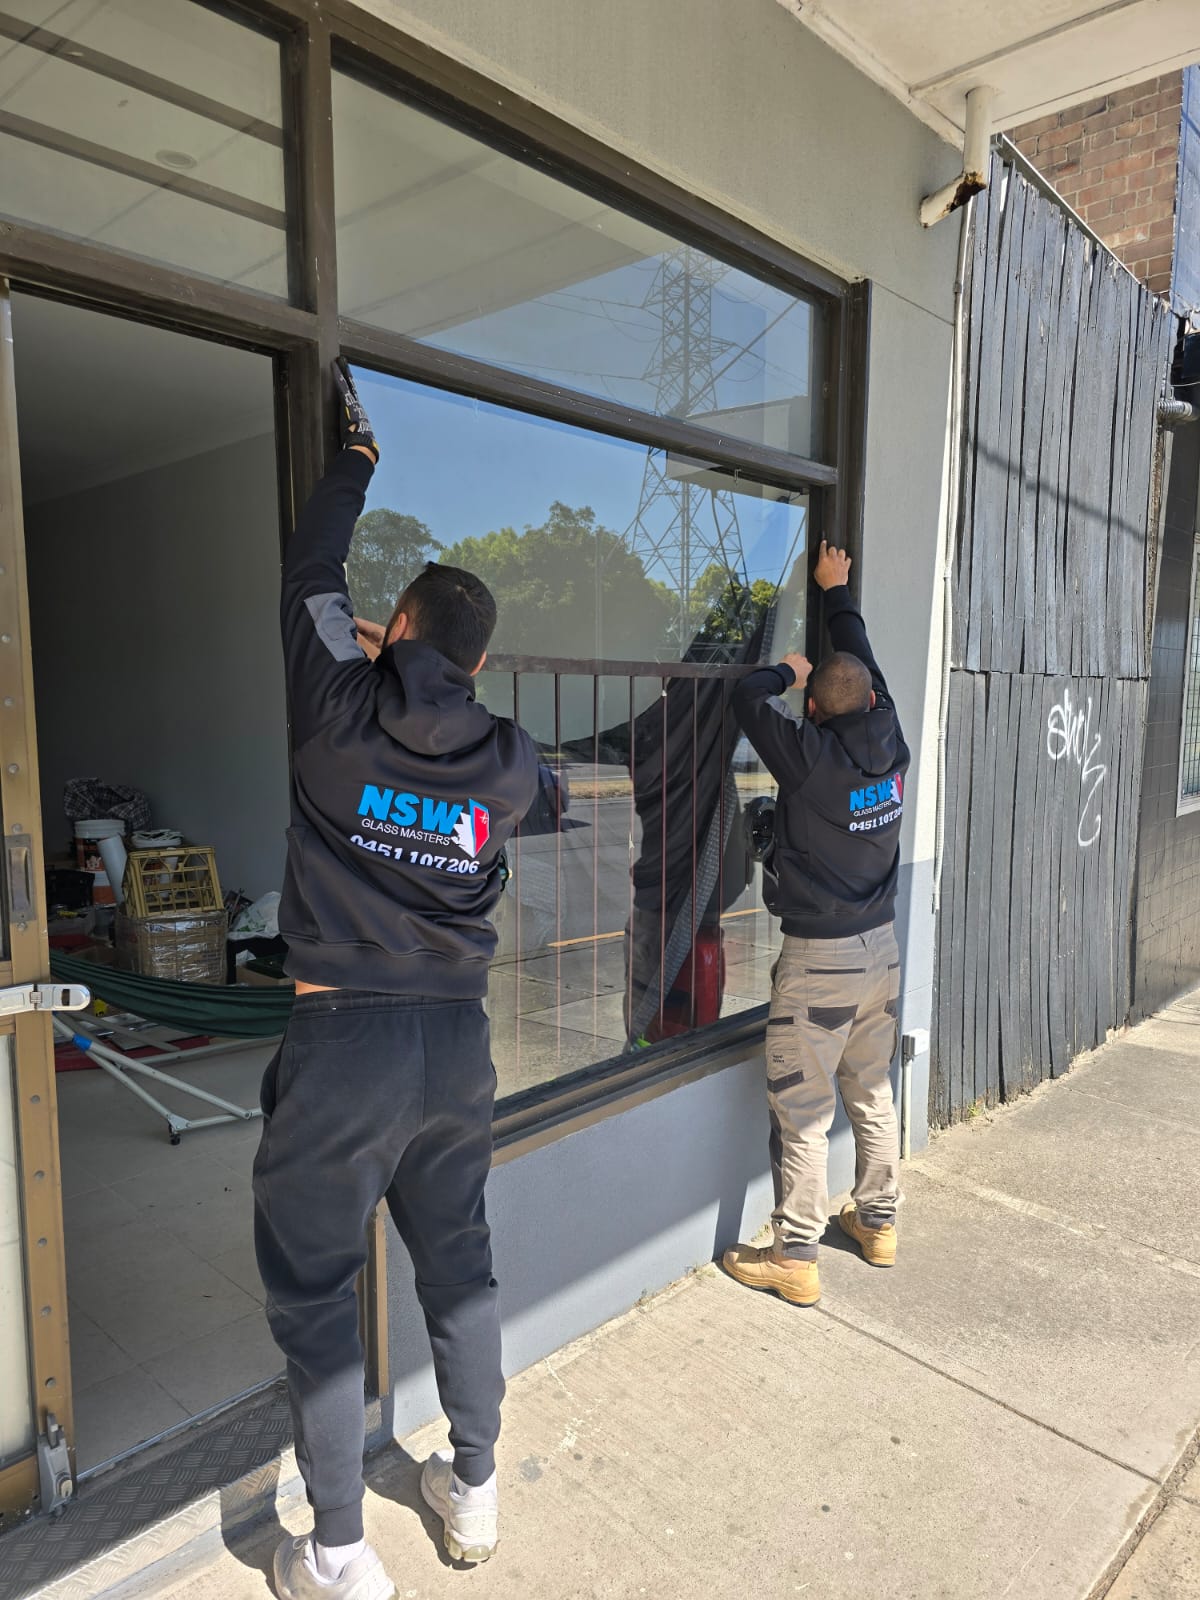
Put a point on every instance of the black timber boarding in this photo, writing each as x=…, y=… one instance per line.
x=1065, y=355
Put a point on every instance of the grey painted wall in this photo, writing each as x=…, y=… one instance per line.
x=156, y=652
x=739, y=104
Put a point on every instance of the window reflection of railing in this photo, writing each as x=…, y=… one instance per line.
x=632, y=873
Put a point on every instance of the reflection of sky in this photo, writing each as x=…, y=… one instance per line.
x=602, y=335
x=466, y=468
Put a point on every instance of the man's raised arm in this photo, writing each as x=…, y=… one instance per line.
x=787, y=745
x=847, y=630
x=321, y=646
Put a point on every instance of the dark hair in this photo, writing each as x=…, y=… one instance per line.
x=450, y=609
x=841, y=684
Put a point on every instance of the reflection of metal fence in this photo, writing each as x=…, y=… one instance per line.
x=675, y=817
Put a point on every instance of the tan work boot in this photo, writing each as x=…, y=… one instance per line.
x=878, y=1244
x=796, y=1281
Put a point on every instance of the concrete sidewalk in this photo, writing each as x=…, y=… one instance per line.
x=1005, y=1414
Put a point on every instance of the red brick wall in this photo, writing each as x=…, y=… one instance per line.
x=1113, y=159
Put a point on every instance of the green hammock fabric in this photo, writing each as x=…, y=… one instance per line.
x=239, y=1013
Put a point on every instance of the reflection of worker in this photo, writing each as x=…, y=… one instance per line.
x=692, y=862
x=831, y=878
x=404, y=791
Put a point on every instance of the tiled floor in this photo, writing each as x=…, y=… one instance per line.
x=166, y=1305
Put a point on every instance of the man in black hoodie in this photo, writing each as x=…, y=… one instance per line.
x=831, y=877
x=404, y=791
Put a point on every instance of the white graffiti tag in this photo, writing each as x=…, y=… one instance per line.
x=1069, y=737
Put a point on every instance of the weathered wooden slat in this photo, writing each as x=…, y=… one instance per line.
x=982, y=223
x=1018, y=1057
x=1002, y=547
x=1124, y=548
x=1045, y=622
x=979, y=883
x=1001, y=1040
x=941, y=1052
x=964, y=1029
x=1026, y=631
x=990, y=486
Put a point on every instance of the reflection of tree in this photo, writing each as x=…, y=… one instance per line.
x=725, y=610
x=570, y=587
x=389, y=549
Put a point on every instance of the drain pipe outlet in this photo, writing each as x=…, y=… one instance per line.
x=1173, y=412
x=976, y=155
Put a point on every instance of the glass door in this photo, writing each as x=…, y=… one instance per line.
x=35, y=1395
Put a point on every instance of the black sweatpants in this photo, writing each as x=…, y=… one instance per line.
x=373, y=1096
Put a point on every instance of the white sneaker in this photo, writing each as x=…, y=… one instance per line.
x=363, y=1579
x=469, y=1515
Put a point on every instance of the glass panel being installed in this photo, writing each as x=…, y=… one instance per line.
x=632, y=586
x=151, y=126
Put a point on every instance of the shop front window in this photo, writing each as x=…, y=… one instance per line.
x=154, y=127
x=633, y=588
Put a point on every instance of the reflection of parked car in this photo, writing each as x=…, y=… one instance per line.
x=745, y=758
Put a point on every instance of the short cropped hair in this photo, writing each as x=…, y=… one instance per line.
x=841, y=685
x=450, y=609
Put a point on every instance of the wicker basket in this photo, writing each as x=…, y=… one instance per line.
x=184, y=949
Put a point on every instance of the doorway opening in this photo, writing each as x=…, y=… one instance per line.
x=151, y=519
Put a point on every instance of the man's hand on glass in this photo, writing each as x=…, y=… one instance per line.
x=801, y=666
x=832, y=568
x=353, y=423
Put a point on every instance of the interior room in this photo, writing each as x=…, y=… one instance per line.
x=152, y=535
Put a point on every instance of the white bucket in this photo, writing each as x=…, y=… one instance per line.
x=89, y=836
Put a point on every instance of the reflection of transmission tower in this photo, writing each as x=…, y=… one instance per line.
x=682, y=527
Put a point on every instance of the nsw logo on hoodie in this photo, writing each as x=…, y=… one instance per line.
x=877, y=804
x=422, y=818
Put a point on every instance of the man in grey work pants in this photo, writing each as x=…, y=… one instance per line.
x=830, y=876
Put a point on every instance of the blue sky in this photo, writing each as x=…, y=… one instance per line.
x=467, y=468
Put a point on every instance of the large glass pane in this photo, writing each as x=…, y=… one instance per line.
x=16, y=1414
x=632, y=588
x=152, y=126
x=443, y=238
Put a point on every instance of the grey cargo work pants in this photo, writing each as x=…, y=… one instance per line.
x=834, y=1010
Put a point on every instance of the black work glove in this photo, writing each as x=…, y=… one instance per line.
x=354, y=424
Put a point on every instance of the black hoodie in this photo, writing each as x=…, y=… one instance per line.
x=833, y=867
x=404, y=788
